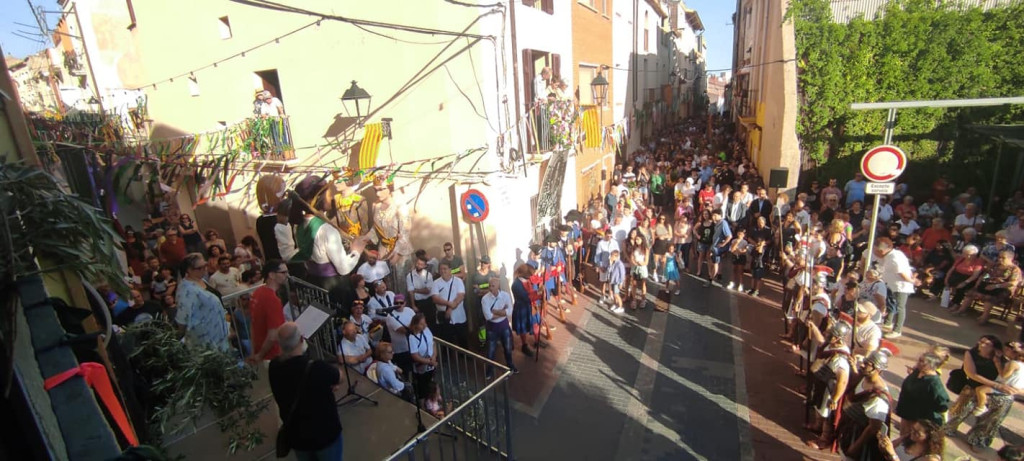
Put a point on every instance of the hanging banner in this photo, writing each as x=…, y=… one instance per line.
x=592, y=128
x=370, y=146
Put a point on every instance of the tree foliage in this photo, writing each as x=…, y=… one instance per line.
x=914, y=49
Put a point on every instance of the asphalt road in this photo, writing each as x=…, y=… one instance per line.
x=647, y=385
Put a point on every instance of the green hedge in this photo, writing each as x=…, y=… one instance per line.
x=916, y=49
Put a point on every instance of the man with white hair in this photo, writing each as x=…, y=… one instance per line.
x=271, y=107
x=304, y=392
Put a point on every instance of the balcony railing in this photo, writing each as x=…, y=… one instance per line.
x=269, y=138
x=552, y=125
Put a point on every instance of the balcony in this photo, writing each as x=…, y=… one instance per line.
x=551, y=126
x=269, y=138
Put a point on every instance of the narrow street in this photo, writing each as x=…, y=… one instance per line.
x=707, y=380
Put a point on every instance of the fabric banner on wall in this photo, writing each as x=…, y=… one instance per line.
x=370, y=146
x=592, y=128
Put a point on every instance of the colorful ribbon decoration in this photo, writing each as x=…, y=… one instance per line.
x=96, y=377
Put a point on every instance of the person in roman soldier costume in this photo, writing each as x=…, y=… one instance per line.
x=391, y=228
x=830, y=372
x=320, y=244
x=865, y=411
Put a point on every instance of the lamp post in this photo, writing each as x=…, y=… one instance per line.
x=356, y=94
x=599, y=87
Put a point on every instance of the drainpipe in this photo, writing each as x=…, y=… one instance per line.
x=515, y=86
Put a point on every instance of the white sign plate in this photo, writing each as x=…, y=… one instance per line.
x=880, y=188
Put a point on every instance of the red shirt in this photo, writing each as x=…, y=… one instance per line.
x=932, y=236
x=705, y=195
x=172, y=254
x=267, y=314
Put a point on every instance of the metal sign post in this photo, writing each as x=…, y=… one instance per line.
x=882, y=163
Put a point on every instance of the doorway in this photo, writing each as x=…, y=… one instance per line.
x=268, y=80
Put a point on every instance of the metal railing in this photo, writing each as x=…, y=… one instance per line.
x=477, y=423
x=270, y=138
x=323, y=344
x=478, y=419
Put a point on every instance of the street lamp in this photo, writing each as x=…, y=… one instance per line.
x=356, y=94
x=599, y=87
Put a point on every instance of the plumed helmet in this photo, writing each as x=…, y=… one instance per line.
x=879, y=358
x=840, y=330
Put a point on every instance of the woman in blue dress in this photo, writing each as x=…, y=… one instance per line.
x=522, y=311
x=671, y=271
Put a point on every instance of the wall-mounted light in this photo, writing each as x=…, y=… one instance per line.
x=354, y=94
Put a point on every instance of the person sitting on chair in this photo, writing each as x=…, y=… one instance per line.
x=1003, y=278
x=387, y=374
x=354, y=349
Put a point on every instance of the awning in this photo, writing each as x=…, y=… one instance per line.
x=1010, y=134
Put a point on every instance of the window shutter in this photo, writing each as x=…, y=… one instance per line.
x=529, y=3
x=528, y=76
x=547, y=6
x=528, y=97
x=556, y=65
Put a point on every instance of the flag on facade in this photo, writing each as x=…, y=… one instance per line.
x=592, y=128
x=370, y=146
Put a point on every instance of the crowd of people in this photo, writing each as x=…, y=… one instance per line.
x=690, y=203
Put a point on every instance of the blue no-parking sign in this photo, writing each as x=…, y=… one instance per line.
x=474, y=205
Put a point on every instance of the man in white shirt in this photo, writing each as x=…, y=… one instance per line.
x=497, y=309
x=602, y=258
x=448, y=293
x=969, y=218
x=354, y=350
x=271, y=107
x=420, y=282
x=540, y=84
x=884, y=210
x=373, y=270
x=398, y=325
x=907, y=224
x=227, y=279
x=380, y=299
x=899, y=280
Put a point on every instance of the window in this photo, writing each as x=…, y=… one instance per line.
x=225, y=27
x=647, y=30
x=547, y=6
x=585, y=76
x=600, y=6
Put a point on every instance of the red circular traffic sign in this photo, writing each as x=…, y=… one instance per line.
x=474, y=205
x=883, y=163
